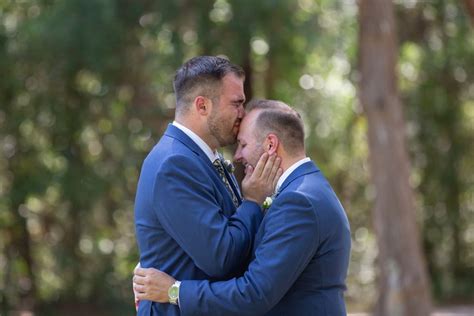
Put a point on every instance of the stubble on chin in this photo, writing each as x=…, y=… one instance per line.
x=224, y=140
x=230, y=141
x=230, y=138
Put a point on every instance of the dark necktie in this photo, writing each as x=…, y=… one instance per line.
x=220, y=169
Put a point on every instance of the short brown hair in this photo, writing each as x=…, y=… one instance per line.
x=280, y=119
x=201, y=75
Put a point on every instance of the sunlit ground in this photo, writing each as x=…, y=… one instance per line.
x=440, y=311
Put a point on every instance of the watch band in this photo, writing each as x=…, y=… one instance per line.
x=173, y=293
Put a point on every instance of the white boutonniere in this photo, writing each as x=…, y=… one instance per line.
x=267, y=203
x=228, y=165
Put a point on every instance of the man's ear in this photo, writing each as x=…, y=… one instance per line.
x=203, y=105
x=272, y=143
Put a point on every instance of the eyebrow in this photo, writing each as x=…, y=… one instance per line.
x=239, y=100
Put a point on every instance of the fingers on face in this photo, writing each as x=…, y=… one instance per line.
x=261, y=165
x=249, y=170
x=267, y=171
x=277, y=176
x=275, y=167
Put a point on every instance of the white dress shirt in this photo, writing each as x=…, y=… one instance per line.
x=288, y=171
x=212, y=155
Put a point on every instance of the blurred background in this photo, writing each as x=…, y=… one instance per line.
x=86, y=91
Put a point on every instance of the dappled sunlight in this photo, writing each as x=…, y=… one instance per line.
x=86, y=91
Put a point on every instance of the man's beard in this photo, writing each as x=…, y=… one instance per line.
x=218, y=130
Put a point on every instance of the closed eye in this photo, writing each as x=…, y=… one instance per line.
x=238, y=102
x=240, y=145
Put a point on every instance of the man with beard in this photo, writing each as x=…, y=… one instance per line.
x=190, y=218
x=302, y=248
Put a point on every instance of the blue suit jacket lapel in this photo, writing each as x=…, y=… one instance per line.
x=233, y=182
x=306, y=168
x=235, y=186
x=174, y=132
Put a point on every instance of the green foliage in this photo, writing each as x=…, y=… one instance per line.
x=86, y=90
x=438, y=89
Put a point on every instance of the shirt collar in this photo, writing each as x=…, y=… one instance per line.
x=289, y=171
x=212, y=155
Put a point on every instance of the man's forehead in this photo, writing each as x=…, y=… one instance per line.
x=246, y=124
x=232, y=80
x=242, y=131
x=250, y=116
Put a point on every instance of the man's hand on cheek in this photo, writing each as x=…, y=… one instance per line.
x=260, y=182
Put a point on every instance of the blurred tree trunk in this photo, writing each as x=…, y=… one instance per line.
x=403, y=283
x=19, y=285
x=470, y=8
x=20, y=250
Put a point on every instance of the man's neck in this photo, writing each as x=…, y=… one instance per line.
x=197, y=129
x=287, y=162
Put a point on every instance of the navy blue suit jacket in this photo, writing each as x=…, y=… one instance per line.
x=186, y=223
x=300, y=260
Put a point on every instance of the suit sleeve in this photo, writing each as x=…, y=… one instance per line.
x=186, y=205
x=290, y=241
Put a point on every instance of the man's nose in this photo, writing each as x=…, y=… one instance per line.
x=241, y=111
x=238, y=156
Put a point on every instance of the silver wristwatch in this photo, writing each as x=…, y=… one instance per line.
x=173, y=293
